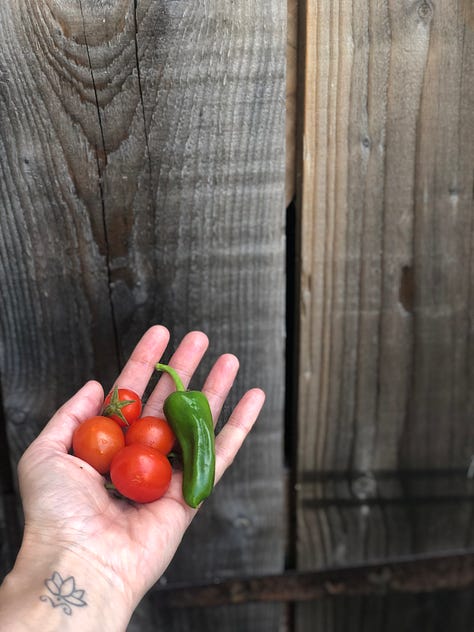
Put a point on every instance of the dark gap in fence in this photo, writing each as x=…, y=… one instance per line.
x=6, y=477
x=294, y=293
x=8, y=494
x=291, y=373
x=291, y=340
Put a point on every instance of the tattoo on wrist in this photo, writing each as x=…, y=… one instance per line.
x=62, y=593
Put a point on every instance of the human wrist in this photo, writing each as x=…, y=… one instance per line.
x=59, y=588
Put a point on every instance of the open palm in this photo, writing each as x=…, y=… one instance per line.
x=65, y=501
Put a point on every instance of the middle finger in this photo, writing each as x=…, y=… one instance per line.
x=139, y=368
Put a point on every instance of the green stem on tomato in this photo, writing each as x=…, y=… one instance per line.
x=110, y=487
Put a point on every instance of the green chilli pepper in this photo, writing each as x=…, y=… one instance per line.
x=189, y=414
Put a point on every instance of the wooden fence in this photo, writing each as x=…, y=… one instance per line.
x=143, y=172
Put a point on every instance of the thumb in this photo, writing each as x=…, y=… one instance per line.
x=85, y=403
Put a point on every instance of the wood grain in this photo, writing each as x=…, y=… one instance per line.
x=291, y=98
x=142, y=181
x=386, y=380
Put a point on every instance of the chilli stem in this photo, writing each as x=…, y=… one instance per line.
x=176, y=379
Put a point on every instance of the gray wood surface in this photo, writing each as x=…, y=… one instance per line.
x=386, y=431
x=142, y=180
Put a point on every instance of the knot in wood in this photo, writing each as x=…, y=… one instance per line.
x=364, y=486
x=425, y=10
x=381, y=577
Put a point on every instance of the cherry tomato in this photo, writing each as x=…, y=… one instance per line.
x=140, y=473
x=152, y=431
x=123, y=406
x=97, y=441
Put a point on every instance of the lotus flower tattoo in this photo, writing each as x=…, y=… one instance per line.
x=63, y=593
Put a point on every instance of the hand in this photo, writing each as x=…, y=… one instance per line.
x=65, y=503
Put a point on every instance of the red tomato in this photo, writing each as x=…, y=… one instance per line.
x=97, y=441
x=152, y=431
x=140, y=473
x=123, y=406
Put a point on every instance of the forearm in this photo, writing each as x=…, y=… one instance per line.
x=54, y=589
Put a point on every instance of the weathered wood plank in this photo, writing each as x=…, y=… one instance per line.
x=291, y=98
x=386, y=376
x=142, y=158
x=410, y=613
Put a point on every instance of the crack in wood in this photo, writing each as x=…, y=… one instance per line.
x=101, y=157
x=142, y=103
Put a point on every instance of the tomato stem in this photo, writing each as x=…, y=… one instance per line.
x=110, y=487
x=115, y=407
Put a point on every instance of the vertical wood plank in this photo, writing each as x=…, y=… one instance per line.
x=142, y=157
x=291, y=98
x=385, y=398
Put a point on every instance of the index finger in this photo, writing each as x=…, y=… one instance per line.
x=139, y=368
